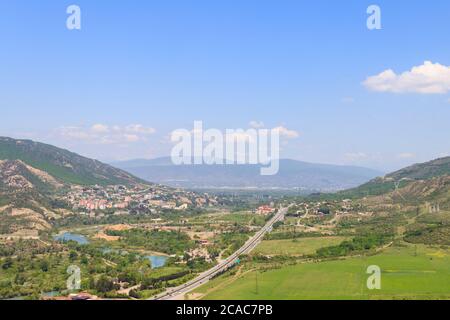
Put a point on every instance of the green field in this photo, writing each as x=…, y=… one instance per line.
x=240, y=218
x=406, y=274
x=297, y=247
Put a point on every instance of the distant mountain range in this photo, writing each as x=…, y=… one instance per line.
x=32, y=173
x=292, y=175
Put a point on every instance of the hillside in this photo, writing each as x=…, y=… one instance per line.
x=32, y=177
x=432, y=190
x=423, y=171
x=292, y=175
x=41, y=185
x=25, y=202
x=65, y=166
x=401, y=178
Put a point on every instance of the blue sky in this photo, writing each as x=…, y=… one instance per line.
x=150, y=67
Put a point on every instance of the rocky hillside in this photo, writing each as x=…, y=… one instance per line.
x=413, y=175
x=65, y=166
x=25, y=201
x=416, y=192
x=33, y=174
x=423, y=171
x=41, y=184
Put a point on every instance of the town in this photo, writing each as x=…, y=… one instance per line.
x=101, y=200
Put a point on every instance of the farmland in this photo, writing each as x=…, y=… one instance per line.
x=408, y=272
x=296, y=247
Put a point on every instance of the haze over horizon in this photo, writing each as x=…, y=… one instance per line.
x=341, y=94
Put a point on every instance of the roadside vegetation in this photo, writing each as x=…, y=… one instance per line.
x=117, y=264
x=324, y=254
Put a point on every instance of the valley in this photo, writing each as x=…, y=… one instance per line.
x=258, y=151
x=325, y=246
x=141, y=240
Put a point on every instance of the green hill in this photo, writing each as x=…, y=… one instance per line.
x=66, y=166
x=401, y=178
x=423, y=171
x=33, y=175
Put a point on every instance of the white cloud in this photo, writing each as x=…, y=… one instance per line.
x=103, y=134
x=256, y=124
x=99, y=128
x=286, y=133
x=240, y=136
x=131, y=137
x=406, y=155
x=429, y=78
x=282, y=131
x=138, y=128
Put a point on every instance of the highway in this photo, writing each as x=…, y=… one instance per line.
x=204, y=277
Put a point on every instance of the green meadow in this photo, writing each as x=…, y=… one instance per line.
x=297, y=247
x=407, y=273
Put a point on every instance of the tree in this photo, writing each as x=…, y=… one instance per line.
x=7, y=264
x=44, y=265
x=84, y=260
x=135, y=294
x=104, y=284
x=73, y=255
x=278, y=224
x=19, y=279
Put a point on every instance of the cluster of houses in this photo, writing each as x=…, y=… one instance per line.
x=121, y=198
x=320, y=208
x=265, y=210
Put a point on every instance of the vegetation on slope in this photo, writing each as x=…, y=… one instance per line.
x=66, y=166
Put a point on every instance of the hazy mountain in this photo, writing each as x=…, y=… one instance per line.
x=62, y=165
x=293, y=174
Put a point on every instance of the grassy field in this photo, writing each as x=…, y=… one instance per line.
x=297, y=247
x=406, y=274
x=241, y=218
